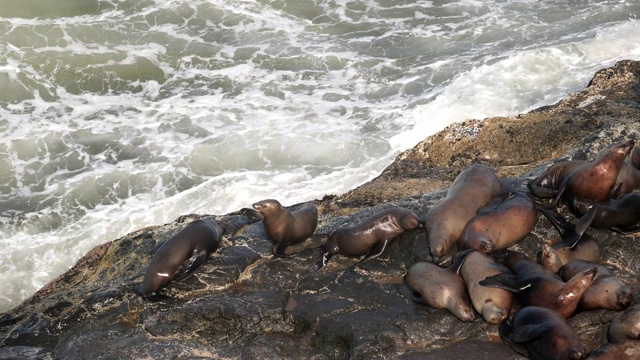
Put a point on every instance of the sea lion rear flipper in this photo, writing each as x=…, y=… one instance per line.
x=507, y=282
x=191, y=265
x=279, y=252
x=320, y=262
x=457, y=262
x=377, y=249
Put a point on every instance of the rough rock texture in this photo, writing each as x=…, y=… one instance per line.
x=244, y=303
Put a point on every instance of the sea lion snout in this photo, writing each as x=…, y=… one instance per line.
x=577, y=353
x=625, y=297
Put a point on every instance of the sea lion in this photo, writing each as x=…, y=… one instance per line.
x=493, y=304
x=369, y=237
x=441, y=288
x=607, y=291
x=624, y=350
x=541, y=333
x=621, y=215
x=182, y=255
x=625, y=325
x=571, y=246
x=535, y=285
x=287, y=228
x=473, y=188
x=547, y=184
x=500, y=224
x=595, y=180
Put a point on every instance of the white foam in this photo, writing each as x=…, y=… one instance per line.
x=521, y=82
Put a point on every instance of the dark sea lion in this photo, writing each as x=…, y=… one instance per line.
x=625, y=350
x=621, y=215
x=541, y=333
x=369, y=237
x=287, y=228
x=625, y=326
x=182, y=255
x=607, y=291
x=493, y=304
x=473, y=188
x=441, y=288
x=547, y=184
x=500, y=224
x=595, y=180
x=535, y=285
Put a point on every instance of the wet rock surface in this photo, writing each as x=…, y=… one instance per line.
x=245, y=303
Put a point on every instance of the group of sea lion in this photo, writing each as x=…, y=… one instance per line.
x=483, y=221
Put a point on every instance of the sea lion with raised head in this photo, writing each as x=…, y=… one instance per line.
x=493, y=304
x=607, y=291
x=182, y=255
x=441, y=288
x=547, y=184
x=369, y=237
x=595, y=180
x=535, y=285
x=473, y=188
x=625, y=325
x=541, y=333
x=503, y=222
x=285, y=227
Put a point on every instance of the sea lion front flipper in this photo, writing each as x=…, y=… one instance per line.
x=583, y=224
x=504, y=281
x=541, y=191
x=627, y=230
x=191, y=265
x=279, y=252
x=376, y=251
x=457, y=262
x=526, y=333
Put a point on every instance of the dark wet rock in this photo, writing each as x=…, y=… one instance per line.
x=245, y=303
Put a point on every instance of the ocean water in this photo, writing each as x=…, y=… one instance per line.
x=115, y=115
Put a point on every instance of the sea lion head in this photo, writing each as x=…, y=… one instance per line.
x=267, y=206
x=409, y=221
x=493, y=314
x=549, y=258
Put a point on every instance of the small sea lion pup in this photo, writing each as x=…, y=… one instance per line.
x=541, y=333
x=287, y=228
x=182, y=255
x=369, y=237
x=473, y=188
x=607, y=292
x=441, y=288
x=624, y=350
x=493, y=304
x=625, y=326
x=503, y=222
x=535, y=285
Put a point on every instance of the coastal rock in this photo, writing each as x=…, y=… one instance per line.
x=245, y=303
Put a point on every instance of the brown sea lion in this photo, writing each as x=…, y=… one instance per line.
x=625, y=326
x=369, y=237
x=535, y=285
x=547, y=184
x=441, y=288
x=473, y=188
x=625, y=350
x=500, y=224
x=541, y=333
x=595, y=180
x=607, y=291
x=493, y=304
x=182, y=255
x=571, y=246
x=287, y=228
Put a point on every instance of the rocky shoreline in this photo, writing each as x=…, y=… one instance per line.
x=244, y=303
